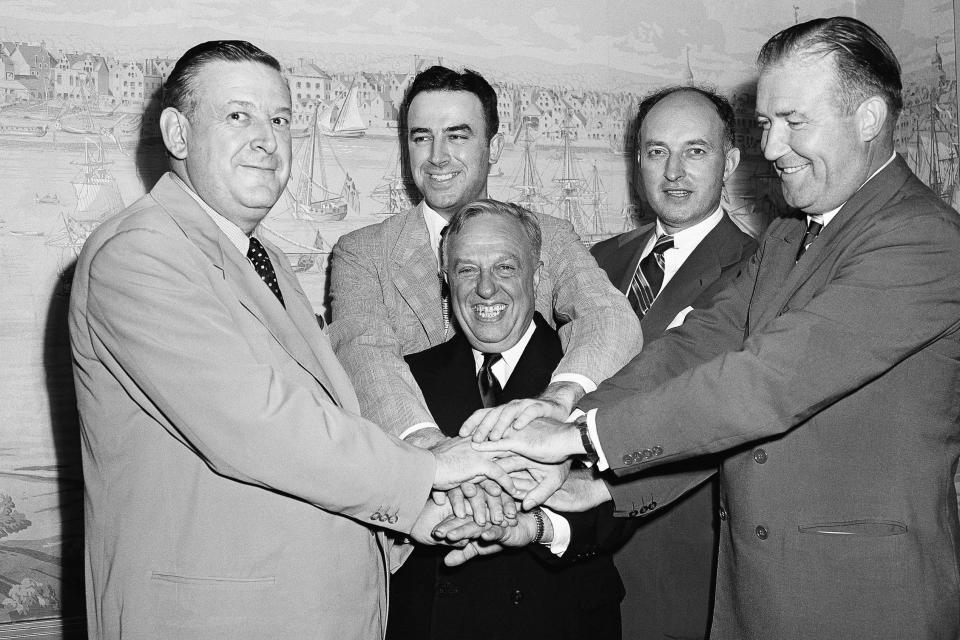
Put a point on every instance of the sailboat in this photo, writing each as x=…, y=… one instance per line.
x=98, y=197
x=305, y=252
x=392, y=191
x=573, y=190
x=310, y=197
x=346, y=121
x=527, y=180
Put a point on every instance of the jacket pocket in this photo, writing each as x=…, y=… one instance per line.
x=868, y=528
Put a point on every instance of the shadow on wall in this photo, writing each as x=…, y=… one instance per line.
x=64, y=419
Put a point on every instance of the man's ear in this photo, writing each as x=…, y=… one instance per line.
x=730, y=162
x=174, y=127
x=536, y=275
x=496, y=147
x=870, y=117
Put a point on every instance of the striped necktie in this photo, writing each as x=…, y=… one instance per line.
x=261, y=262
x=648, y=278
x=813, y=230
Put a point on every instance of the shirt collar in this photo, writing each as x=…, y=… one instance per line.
x=234, y=234
x=690, y=237
x=435, y=225
x=825, y=218
x=510, y=357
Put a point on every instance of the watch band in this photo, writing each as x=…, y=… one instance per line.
x=585, y=440
x=538, y=516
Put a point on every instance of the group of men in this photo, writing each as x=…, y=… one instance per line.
x=246, y=474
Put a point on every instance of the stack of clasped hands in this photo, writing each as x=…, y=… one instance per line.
x=532, y=443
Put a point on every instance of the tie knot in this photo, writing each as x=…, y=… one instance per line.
x=255, y=251
x=663, y=243
x=490, y=359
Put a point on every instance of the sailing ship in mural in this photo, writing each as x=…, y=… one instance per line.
x=344, y=120
x=98, y=198
x=392, y=191
x=307, y=195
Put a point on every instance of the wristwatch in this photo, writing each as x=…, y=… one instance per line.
x=591, y=451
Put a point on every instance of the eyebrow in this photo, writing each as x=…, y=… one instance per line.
x=455, y=128
x=698, y=141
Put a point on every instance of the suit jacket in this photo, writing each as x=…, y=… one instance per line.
x=835, y=400
x=518, y=592
x=668, y=564
x=385, y=302
x=229, y=480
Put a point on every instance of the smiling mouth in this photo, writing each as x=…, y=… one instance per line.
x=794, y=169
x=489, y=311
x=441, y=177
x=677, y=193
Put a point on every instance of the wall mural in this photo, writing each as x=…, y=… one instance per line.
x=78, y=140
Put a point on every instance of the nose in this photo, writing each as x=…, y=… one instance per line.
x=265, y=138
x=773, y=142
x=673, y=169
x=486, y=284
x=438, y=151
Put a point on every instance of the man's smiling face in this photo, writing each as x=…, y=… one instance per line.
x=815, y=146
x=450, y=155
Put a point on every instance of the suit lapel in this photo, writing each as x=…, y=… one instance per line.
x=536, y=364
x=415, y=274
x=243, y=280
x=784, y=276
x=631, y=249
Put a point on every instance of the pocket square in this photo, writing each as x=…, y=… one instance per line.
x=679, y=318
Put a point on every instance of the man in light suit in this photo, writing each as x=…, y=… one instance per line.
x=386, y=294
x=826, y=374
x=230, y=483
x=686, y=152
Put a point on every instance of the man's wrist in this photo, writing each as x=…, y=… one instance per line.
x=586, y=443
x=425, y=438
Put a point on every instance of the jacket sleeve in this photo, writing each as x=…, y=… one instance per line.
x=598, y=330
x=153, y=321
x=891, y=292
x=364, y=336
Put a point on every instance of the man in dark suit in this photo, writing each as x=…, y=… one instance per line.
x=826, y=374
x=564, y=587
x=686, y=151
x=227, y=483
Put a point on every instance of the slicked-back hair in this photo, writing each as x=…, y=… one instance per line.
x=438, y=78
x=180, y=89
x=721, y=104
x=490, y=207
x=864, y=63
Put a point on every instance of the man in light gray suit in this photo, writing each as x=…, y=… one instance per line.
x=230, y=482
x=386, y=294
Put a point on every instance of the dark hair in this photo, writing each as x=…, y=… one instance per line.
x=180, y=90
x=865, y=65
x=438, y=78
x=721, y=104
x=527, y=219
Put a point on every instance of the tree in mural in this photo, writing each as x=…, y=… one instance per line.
x=11, y=520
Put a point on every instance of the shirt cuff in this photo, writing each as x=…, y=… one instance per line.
x=561, y=533
x=602, y=464
x=589, y=386
x=417, y=427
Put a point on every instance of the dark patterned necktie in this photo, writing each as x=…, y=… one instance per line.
x=487, y=382
x=813, y=230
x=648, y=278
x=261, y=262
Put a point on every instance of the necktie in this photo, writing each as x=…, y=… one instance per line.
x=813, y=230
x=261, y=262
x=648, y=278
x=487, y=382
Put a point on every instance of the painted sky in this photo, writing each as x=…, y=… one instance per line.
x=639, y=41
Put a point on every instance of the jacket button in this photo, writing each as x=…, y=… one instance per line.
x=657, y=450
x=647, y=453
x=393, y=519
x=634, y=513
x=762, y=532
x=760, y=456
x=723, y=513
x=517, y=597
x=375, y=515
x=628, y=459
